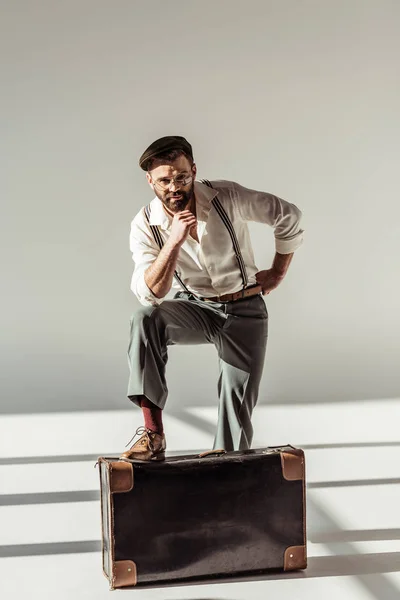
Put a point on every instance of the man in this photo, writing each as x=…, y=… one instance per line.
x=197, y=233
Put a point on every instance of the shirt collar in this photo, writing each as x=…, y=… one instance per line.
x=203, y=195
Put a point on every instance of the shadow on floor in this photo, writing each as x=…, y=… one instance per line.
x=17, y=550
x=354, y=535
x=67, y=458
x=321, y=566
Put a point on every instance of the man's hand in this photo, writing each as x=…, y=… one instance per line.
x=268, y=280
x=271, y=278
x=182, y=223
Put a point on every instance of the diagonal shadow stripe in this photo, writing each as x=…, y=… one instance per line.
x=368, y=568
x=357, y=535
x=29, y=460
x=347, y=565
x=68, y=458
x=352, y=483
x=361, y=564
x=204, y=425
x=49, y=498
x=349, y=445
x=193, y=420
x=334, y=399
x=50, y=548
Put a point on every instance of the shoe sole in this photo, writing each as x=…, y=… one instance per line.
x=160, y=456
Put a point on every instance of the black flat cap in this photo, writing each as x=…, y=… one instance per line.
x=164, y=144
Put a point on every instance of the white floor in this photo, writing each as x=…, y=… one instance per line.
x=50, y=513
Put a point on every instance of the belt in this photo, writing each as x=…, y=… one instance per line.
x=246, y=293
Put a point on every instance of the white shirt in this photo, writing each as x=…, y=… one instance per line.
x=209, y=267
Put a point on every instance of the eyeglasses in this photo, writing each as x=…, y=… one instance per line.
x=180, y=180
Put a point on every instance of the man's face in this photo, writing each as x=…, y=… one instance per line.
x=176, y=196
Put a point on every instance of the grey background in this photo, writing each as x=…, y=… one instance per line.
x=299, y=98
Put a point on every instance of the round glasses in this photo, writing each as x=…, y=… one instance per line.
x=178, y=181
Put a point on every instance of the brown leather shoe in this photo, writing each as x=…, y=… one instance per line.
x=150, y=446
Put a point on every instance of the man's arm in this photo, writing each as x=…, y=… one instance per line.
x=263, y=207
x=159, y=275
x=284, y=217
x=154, y=268
x=271, y=278
x=281, y=264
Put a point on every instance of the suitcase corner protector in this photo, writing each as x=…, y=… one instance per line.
x=295, y=557
x=121, y=477
x=124, y=574
x=293, y=467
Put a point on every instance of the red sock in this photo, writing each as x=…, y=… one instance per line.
x=152, y=416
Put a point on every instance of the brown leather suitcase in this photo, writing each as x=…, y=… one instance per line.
x=202, y=516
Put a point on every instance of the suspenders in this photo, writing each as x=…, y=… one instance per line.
x=226, y=221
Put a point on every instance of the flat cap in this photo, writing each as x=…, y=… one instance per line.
x=164, y=144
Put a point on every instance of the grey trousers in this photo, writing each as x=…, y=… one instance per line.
x=239, y=331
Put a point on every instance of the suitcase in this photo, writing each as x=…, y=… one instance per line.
x=197, y=517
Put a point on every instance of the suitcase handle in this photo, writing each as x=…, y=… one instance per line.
x=203, y=454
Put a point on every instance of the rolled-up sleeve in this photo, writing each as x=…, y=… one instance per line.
x=144, y=252
x=263, y=207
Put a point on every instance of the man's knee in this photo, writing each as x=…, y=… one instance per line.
x=145, y=316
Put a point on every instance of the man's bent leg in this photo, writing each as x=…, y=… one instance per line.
x=153, y=329
x=241, y=350
x=147, y=357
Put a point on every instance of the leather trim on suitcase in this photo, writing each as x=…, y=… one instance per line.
x=118, y=478
x=293, y=469
x=292, y=464
x=104, y=537
x=111, y=530
x=295, y=558
x=124, y=573
x=121, y=477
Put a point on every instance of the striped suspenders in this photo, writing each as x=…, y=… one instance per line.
x=226, y=221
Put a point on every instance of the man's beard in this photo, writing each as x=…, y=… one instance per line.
x=175, y=206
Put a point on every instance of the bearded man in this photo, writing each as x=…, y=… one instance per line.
x=193, y=236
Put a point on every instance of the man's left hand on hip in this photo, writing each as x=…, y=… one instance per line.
x=269, y=280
